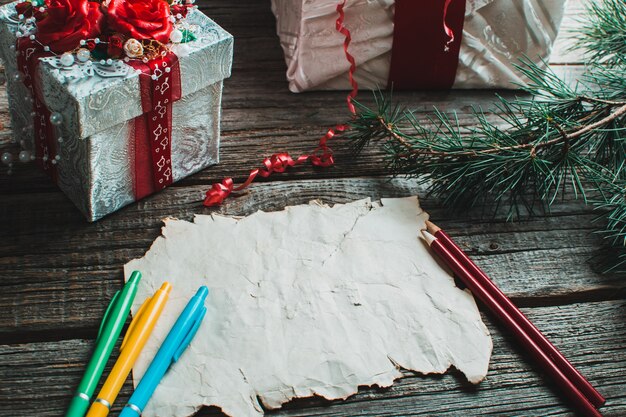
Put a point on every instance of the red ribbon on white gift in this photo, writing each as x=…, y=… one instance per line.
x=425, y=53
x=322, y=156
x=434, y=67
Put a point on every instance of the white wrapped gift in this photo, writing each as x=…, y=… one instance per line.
x=495, y=35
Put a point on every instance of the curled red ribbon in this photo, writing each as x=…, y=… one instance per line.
x=346, y=43
x=320, y=157
x=443, y=75
x=449, y=31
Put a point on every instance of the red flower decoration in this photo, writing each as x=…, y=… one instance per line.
x=115, y=48
x=24, y=8
x=67, y=22
x=140, y=19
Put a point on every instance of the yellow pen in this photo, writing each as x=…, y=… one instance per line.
x=134, y=340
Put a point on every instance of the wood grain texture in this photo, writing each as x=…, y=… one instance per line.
x=512, y=387
x=76, y=267
x=57, y=272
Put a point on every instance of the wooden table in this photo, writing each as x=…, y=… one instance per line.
x=58, y=272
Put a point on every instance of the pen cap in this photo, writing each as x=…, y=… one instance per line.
x=203, y=292
x=135, y=276
x=119, y=308
x=147, y=304
x=109, y=332
x=196, y=314
x=131, y=284
x=190, y=335
x=175, y=342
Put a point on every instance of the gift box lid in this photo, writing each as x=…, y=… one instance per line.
x=93, y=96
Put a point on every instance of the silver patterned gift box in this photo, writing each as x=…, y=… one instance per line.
x=98, y=103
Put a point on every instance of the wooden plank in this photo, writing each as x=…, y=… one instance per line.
x=564, y=51
x=256, y=128
x=58, y=271
x=38, y=378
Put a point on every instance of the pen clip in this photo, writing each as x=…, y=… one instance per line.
x=192, y=332
x=134, y=321
x=107, y=312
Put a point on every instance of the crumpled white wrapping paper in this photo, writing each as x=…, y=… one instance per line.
x=496, y=34
x=311, y=300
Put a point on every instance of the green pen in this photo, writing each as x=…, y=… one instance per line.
x=110, y=329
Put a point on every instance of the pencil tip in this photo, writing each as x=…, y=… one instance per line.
x=432, y=227
x=428, y=237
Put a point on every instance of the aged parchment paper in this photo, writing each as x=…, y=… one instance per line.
x=311, y=300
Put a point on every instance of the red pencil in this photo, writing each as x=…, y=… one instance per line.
x=569, y=389
x=557, y=357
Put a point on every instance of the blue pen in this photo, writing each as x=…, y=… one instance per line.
x=172, y=348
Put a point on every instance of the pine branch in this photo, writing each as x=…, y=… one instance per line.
x=603, y=33
x=559, y=139
x=552, y=141
x=613, y=218
x=566, y=137
x=525, y=167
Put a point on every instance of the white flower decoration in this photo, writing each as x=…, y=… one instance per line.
x=133, y=48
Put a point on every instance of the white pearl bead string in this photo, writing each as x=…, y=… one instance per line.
x=25, y=155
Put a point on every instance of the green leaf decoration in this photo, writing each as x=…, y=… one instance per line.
x=188, y=36
x=99, y=53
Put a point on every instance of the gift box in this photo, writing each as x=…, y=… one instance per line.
x=408, y=44
x=111, y=113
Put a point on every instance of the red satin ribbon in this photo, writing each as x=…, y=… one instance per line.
x=321, y=157
x=279, y=163
x=160, y=86
x=425, y=54
x=28, y=54
x=339, y=26
x=449, y=31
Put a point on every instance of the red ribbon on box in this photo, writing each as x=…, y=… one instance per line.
x=425, y=55
x=426, y=44
x=322, y=156
x=28, y=54
x=160, y=86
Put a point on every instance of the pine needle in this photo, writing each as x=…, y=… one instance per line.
x=560, y=140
